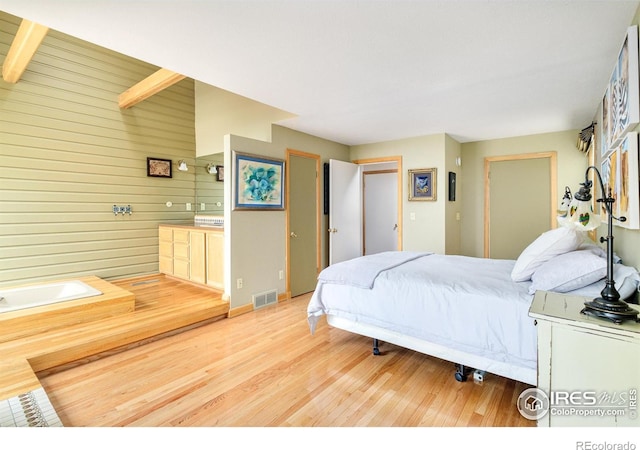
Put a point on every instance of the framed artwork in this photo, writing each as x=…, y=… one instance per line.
x=422, y=184
x=608, y=172
x=452, y=186
x=605, y=125
x=157, y=167
x=628, y=191
x=220, y=173
x=623, y=110
x=259, y=182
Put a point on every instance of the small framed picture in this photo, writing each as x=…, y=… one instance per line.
x=220, y=173
x=422, y=184
x=452, y=186
x=157, y=167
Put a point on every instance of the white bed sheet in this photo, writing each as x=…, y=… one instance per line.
x=463, y=303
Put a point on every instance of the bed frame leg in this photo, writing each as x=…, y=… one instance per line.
x=376, y=349
x=462, y=372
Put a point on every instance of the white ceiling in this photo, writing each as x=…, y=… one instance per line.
x=358, y=71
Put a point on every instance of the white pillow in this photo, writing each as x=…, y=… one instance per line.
x=588, y=244
x=549, y=244
x=569, y=271
x=626, y=278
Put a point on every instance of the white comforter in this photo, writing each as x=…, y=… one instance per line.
x=469, y=304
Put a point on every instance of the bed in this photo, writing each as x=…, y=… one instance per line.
x=466, y=310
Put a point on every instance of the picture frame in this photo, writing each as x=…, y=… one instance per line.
x=219, y=173
x=622, y=113
x=422, y=184
x=259, y=182
x=627, y=194
x=452, y=186
x=158, y=167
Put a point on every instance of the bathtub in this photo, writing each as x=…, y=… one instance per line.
x=44, y=294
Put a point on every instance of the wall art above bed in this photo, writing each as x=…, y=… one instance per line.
x=627, y=193
x=621, y=101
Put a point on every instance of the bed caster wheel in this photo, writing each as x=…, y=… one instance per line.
x=461, y=372
x=376, y=349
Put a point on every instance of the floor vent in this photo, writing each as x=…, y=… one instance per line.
x=265, y=298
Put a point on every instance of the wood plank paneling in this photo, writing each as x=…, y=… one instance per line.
x=68, y=153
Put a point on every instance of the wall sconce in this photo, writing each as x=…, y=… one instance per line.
x=182, y=165
x=212, y=169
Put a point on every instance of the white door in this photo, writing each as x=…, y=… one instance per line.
x=380, y=211
x=345, y=214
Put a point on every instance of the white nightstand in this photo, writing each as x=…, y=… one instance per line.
x=586, y=365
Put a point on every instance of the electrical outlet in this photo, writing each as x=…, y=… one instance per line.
x=281, y=275
x=239, y=283
x=201, y=206
x=188, y=206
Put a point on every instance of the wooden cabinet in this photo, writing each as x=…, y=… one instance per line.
x=197, y=257
x=215, y=260
x=165, y=247
x=588, y=367
x=192, y=254
x=181, y=253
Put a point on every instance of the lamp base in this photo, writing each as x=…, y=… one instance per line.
x=616, y=311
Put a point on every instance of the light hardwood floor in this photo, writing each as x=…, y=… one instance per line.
x=264, y=369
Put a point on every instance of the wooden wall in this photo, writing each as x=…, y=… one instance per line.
x=68, y=154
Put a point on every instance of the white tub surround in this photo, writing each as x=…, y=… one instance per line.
x=67, y=302
x=44, y=294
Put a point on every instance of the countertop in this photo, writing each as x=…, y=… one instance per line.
x=193, y=225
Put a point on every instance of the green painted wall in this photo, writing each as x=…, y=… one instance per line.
x=68, y=154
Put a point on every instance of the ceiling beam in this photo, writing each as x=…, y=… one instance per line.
x=151, y=85
x=24, y=46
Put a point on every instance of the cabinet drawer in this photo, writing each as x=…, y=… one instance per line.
x=181, y=250
x=181, y=268
x=165, y=234
x=166, y=265
x=165, y=249
x=181, y=236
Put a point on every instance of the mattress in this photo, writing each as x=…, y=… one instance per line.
x=463, y=303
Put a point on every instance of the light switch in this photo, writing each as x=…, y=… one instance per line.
x=412, y=216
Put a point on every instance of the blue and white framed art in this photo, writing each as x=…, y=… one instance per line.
x=621, y=102
x=259, y=182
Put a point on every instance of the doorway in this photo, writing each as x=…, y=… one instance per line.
x=380, y=210
x=346, y=216
x=520, y=195
x=303, y=222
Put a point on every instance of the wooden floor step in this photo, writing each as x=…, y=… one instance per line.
x=162, y=305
